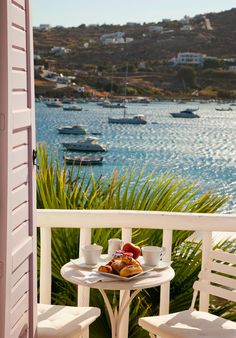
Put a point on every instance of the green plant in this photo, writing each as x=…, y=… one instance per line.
x=59, y=188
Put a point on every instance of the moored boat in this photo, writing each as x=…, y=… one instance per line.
x=84, y=160
x=72, y=108
x=187, y=114
x=137, y=119
x=87, y=145
x=76, y=130
x=54, y=103
x=223, y=109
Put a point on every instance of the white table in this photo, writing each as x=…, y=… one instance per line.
x=70, y=272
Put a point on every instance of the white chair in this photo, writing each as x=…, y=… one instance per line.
x=218, y=279
x=64, y=321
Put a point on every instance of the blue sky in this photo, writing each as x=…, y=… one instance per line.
x=76, y=12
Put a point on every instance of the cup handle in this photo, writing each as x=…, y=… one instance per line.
x=163, y=251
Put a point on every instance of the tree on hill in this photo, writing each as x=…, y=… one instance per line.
x=187, y=75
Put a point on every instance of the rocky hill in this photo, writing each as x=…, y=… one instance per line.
x=213, y=34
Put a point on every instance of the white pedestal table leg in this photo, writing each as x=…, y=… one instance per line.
x=117, y=314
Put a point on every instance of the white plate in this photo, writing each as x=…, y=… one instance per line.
x=161, y=266
x=81, y=264
x=145, y=270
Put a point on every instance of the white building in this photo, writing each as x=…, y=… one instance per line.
x=185, y=20
x=59, y=50
x=117, y=35
x=44, y=27
x=186, y=28
x=187, y=58
x=232, y=68
x=155, y=29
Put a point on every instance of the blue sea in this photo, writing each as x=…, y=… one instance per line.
x=202, y=150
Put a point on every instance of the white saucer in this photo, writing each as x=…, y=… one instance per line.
x=81, y=264
x=161, y=266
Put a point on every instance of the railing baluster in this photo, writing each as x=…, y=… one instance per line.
x=126, y=236
x=83, y=292
x=206, y=247
x=45, y=266
x=165, y=288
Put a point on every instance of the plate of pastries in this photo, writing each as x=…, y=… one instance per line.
x=124, y=265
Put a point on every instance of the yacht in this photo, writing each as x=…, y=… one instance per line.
x=54, y=103
x=84, y=160
x=72, y=108
x=76, y=130
x=187, y=114
x=224, y=109
x=112, y=105
x=137, y=119
x=87, y=145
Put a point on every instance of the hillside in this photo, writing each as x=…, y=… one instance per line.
x=89, y=56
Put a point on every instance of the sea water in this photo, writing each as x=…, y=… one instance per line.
x=201, y=149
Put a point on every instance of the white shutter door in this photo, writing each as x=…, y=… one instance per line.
x=18, y=287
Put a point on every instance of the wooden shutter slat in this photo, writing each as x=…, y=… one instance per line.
x=21, y=232
x=21, y=328
x=21, y=253
x=19, y=100
x=20, y=215
x=19, y=176
x=19, y=78
x=21, y=119
x=20, y=138
x=18, y=38
x=19, y=289
x=19, y=272
x=20, y=3
x=20, y=156
x=19, y=309
x=19, y=59
x=20, y=195
x=18, y=15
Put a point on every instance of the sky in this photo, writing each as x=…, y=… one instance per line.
x=75, y=12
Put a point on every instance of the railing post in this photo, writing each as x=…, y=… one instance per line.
x=165, y=288
x=45, y=266
x=206, y=247
x=83, y=292
x=124, y=325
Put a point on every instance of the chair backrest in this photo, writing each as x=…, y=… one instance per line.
x=219, y=277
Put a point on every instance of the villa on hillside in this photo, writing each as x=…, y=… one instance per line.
x=188, y=58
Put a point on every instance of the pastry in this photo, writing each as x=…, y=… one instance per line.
x=130, y=270
x=117, y=265
x=105, y=268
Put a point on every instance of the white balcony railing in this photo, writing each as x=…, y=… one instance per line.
x=127, y=220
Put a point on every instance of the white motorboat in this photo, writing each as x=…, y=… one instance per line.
x=113, y=105
x=136, y=119
x=187, y=114
x=83, y=160
x=72, y=108
x=54, y=103
x=224, y=109
x=76, y=130
x=87, y=145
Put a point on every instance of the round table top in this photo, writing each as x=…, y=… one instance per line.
x=72, y=273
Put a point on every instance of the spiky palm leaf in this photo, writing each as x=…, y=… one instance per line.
x=58, y=188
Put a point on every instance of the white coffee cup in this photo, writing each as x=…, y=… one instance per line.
x=152, y=255
x=113, y=245
x=91, y=253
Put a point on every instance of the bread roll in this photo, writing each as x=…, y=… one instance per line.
x=130, y=270
x=118, y=265
x=105, y=268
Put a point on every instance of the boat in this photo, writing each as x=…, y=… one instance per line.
x=113, y=105
x=87, y=145
x=72, y=108
x=76, y=130
x=188, y=114
x=54, y=103
x=224, y=109
x=136, y=119
x=83, y=160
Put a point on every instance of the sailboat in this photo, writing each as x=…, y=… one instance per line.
x=136, y=119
